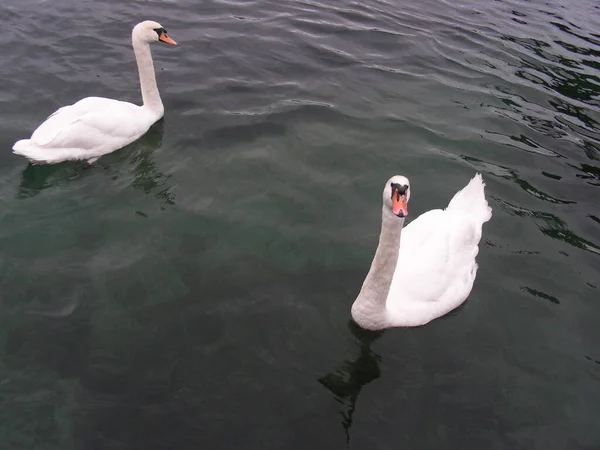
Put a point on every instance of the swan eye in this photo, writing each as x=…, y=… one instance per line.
x=159, y=31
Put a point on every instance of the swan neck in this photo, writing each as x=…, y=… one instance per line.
x=369, y=309
x=150, y=95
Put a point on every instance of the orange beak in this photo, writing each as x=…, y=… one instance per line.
x=399, y=204
x=164, y=38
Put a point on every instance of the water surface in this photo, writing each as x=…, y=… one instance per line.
x=193, y=290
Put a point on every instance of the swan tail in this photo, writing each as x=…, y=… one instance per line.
x=471, y=200
x=37, y=154
x=21, y=146
x=30, y=150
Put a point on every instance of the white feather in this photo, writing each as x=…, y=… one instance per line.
x=94, y=126
x=436, y=266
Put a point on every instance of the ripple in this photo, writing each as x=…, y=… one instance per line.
x=521, y=142
x=540, y=294
x=590, y=173
x=511, y=174
x=553, y=227
x=281, y=120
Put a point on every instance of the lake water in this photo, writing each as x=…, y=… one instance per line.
x=193, y=290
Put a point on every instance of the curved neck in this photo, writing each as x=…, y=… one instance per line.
x=150, y=95
x=369, y=308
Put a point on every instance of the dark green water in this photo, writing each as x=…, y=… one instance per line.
x=193, y=290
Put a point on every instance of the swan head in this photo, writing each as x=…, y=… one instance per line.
x=150, y=31
x=396, y=195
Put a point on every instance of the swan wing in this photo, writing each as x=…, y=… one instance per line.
x=419, y=230
x=60, y=119
x=436, y=266
x=91, y=125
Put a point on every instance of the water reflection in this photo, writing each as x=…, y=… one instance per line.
x=540, y=294
x=591, y=173
x=351, y=376
x=552, y=226
x=35, y=179
x=510, y=174
x=147, y=177
x=590, y=40
x=574, y=111
x=562, y=68
x=559, y=76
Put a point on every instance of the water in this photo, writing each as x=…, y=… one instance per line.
x=193, y=289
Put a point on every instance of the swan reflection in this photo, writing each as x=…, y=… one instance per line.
x=144, y=171
x=146, y=174
x=347, y=380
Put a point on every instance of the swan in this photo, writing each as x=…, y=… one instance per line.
x=427, y=269
x=95, y=126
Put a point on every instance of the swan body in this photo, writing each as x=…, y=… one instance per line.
x=426, y=269
x=95, y=126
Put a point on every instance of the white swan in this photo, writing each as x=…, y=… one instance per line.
x=95, y=126
x=426, y=270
